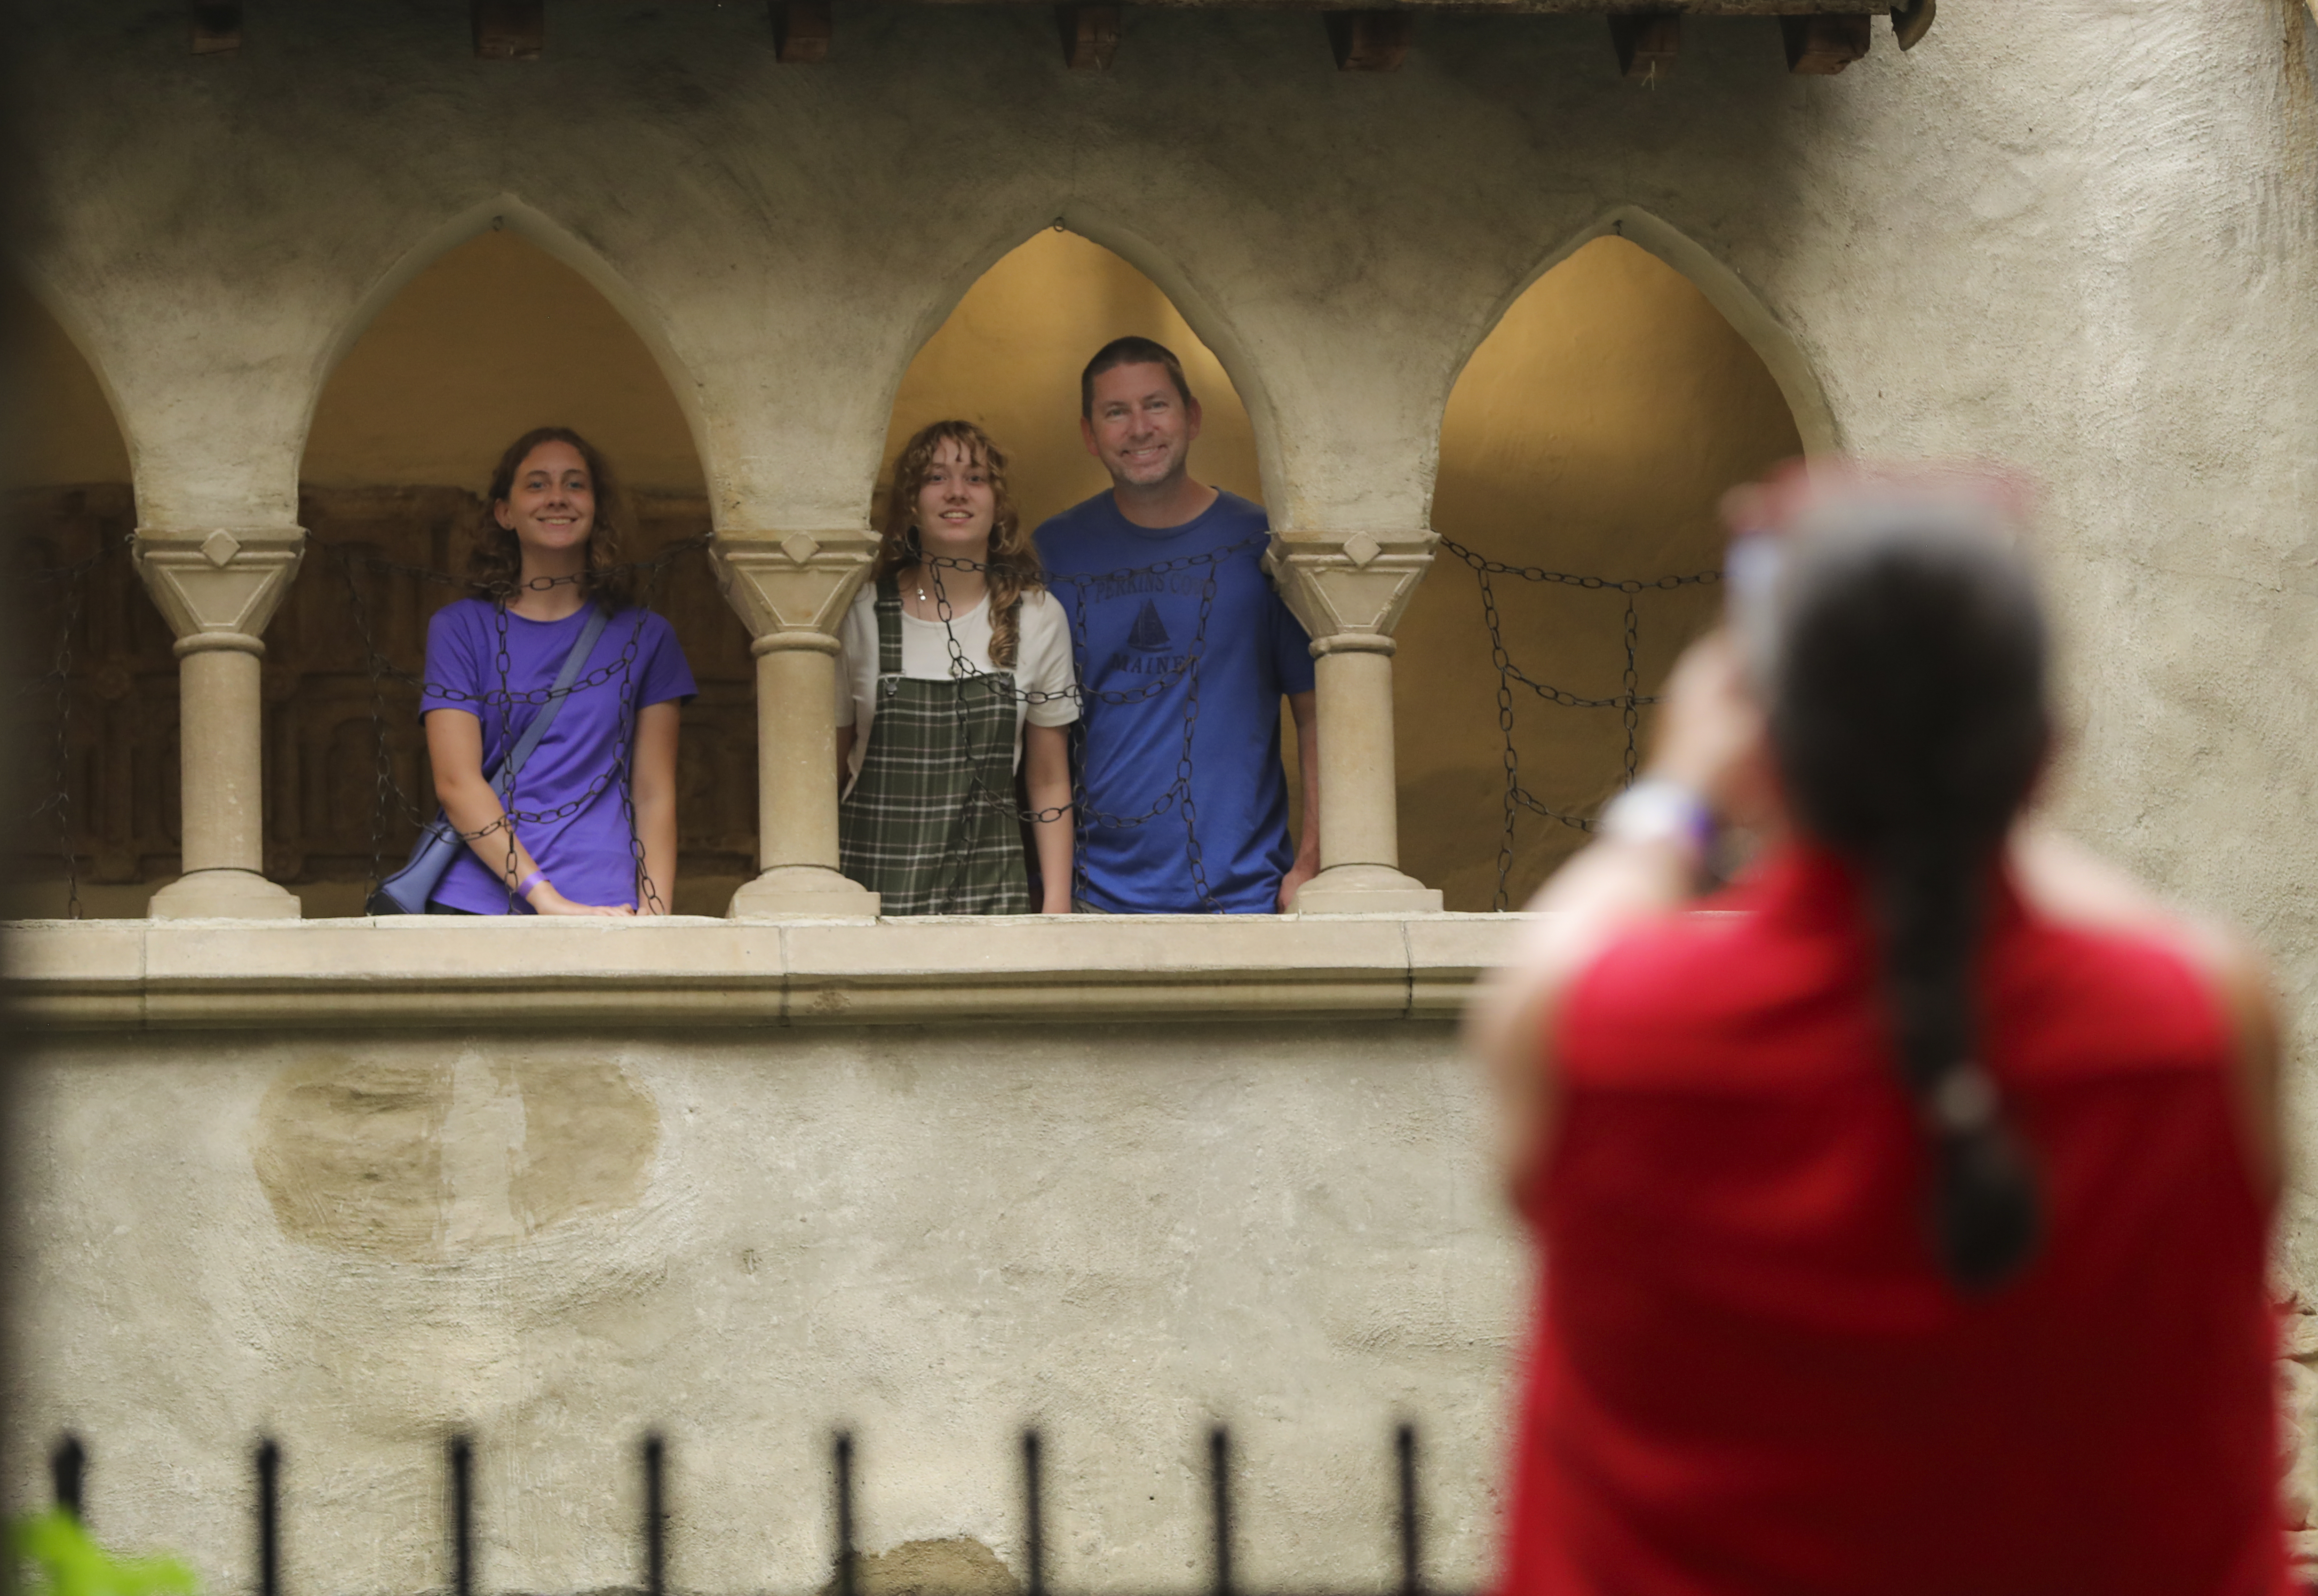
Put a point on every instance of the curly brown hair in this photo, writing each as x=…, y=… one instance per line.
x=1013, y=563
x=496, y=565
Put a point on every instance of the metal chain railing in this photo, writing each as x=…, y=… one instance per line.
x=989, y=788
x=1629, y=700
x=388, y=793
x=1178, y=794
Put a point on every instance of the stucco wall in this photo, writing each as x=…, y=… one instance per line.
x=2077, y=237
x=358, y=1241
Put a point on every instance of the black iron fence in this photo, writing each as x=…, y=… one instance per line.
x=68, y=1466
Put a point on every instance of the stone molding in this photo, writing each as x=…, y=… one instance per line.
x=218, y=586
x=791, y=588
x=1350, y=589
x=422, y=973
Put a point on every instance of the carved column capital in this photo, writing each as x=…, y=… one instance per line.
x=218, y=586
x=788, y=587
x=791, y=588
x=1350, y=589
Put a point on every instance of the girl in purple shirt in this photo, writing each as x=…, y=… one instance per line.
x=589, y=827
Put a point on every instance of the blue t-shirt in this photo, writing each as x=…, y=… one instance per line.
x=635, y=662
x=1133, y=630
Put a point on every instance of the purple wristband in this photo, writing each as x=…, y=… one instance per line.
x=523, y=888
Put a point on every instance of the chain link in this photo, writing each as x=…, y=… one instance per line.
x=1629, y=701
x=388, y=793
x=985, y=790
x=1178, y=794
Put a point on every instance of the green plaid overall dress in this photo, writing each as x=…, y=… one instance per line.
x=929, y=824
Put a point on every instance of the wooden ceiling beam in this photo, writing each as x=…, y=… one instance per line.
x=1371, y=40
x=1090, y=36
x=1646, y=44
x=1602, y=8
x=801, y=32
x=510, y=29
x=216, y=27
x=1822, y=45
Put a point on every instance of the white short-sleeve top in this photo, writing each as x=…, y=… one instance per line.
x=1042, y=661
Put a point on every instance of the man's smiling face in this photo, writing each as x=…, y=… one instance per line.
x=1140, y=427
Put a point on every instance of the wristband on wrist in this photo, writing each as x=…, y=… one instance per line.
x=536, y=878
x=1659, y=809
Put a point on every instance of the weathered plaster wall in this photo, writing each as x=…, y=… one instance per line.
x=358, y=1241
x=2078, y=236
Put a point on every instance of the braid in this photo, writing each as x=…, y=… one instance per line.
x=1984, y=1206
x=1908, y=718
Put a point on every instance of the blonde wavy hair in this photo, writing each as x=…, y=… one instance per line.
x=1013, y=562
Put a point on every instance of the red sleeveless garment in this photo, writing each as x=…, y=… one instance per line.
x=1748, y=1375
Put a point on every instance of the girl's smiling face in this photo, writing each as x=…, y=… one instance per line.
x=956, y=505
x=551, y=507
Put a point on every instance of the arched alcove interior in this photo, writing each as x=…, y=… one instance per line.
x=97, y=752
x=490, y=340
x=1009, y=357
x=1592, y=433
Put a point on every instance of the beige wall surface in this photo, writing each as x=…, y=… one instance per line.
x=2080, y=239
x=359, y=1242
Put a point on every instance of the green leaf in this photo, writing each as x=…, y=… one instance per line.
x=67, y=1563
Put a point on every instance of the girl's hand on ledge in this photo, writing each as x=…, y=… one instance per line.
x=546, y=900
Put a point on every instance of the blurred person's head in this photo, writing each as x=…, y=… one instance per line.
x=1896, y=640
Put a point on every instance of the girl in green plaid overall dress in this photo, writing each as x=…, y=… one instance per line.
x=929, y=823
x=972, y=672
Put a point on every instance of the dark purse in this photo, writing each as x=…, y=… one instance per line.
x=406, y=892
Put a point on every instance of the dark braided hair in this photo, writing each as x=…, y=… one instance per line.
x=1905, y=667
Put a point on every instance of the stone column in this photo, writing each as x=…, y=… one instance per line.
x=217, y=588
x=1350, y=592
x=791, y=589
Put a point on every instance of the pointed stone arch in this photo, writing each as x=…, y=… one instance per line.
x=559, y=243
x=1592, y=432
x=1200, y=310
x=1773, y=341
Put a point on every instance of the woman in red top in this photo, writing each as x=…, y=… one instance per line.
x=1903, y=1226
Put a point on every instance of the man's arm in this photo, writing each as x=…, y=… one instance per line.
x=1305, y=707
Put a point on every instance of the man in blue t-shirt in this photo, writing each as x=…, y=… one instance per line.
x=1177, y=673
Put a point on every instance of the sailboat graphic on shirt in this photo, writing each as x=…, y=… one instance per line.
x=1149, y=649
x=1149, y=633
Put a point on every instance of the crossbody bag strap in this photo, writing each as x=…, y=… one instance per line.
x=504, y=776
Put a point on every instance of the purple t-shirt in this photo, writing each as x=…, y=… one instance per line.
x=635, y=662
